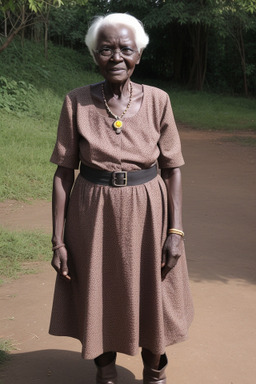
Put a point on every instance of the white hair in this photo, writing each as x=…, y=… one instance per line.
x=141, y=38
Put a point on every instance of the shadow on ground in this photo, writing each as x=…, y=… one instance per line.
x=54, y=366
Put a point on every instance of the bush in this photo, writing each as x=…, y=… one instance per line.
x=15, y=95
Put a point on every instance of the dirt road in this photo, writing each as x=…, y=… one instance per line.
x=219, y=215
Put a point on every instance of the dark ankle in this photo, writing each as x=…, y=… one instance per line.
x=105, y=359
x=163, y=361
x=150, y=359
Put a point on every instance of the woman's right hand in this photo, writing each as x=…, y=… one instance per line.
x=60, y=262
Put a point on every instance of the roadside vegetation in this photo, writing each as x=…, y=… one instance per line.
x=6, y=346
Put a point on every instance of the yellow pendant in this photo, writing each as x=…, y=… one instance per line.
x=117, y=125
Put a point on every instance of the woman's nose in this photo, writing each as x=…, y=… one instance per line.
x=117, y=55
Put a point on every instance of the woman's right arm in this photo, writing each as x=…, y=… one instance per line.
x=62, y=184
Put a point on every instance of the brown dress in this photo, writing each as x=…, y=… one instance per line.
x=116, y=300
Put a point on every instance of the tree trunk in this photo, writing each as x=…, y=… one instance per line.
x=199, y=38
x=9, y=39
x=15, y=30
x=243, y=61
x=237, y=35
x=23, y=29
x=178, y=56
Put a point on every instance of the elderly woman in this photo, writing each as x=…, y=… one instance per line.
x=117, y=239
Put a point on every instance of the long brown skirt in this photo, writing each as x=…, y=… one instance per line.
x=116, y=300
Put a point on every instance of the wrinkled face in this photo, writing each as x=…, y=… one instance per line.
x=116, y=68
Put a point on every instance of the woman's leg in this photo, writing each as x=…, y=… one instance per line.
x=106, y=368
x=150, y=359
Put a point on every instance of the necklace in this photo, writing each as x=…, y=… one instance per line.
x=118, y=124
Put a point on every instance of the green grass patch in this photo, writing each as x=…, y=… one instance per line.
x=214, y=112
x=19, y=249
x=25, y=148
x=6, y=346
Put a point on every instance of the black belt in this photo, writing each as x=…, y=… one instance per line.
x=118, y=178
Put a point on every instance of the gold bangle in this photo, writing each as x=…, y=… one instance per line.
x=176, y=232
x=58, y=246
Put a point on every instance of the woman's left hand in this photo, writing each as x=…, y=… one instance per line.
x=172, y=251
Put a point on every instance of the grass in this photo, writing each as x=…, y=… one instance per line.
x=26, y=145
x=209, y=111
x=31, y=95
x=31, y=99
x=6, y=346
x=19, y=249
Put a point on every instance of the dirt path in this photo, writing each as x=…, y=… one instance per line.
x=219, y=214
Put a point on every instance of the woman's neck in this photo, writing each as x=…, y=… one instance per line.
x=117, y=90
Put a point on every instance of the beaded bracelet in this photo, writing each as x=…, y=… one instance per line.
x=176, y=232
x=58, y=246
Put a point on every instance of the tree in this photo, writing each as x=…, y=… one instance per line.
x=62, y=21
x=20, y=14
x=45, y=10
x=235, y=19
x=193, y=19
x=192, y=42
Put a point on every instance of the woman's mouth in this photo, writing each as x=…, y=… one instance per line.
x=116, y=69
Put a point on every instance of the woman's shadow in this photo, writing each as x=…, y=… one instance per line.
x=54, y=366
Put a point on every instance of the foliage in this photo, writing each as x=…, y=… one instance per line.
x=61, y=26
x=18, y=15
x=200, y=44
x=15, y=95
x=236, y=19
x=188, y=25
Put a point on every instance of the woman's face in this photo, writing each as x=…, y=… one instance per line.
x=116, y=68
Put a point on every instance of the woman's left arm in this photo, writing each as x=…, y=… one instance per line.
x=172, y=248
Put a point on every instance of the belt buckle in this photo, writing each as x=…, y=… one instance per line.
x=115, y=182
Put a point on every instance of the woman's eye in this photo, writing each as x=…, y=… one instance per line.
x=127, y=50
x=105, y=50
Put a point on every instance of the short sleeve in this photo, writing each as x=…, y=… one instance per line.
x=169, y=142
x=66, y=150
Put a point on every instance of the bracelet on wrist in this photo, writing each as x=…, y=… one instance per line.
x=58, y=246
x=176, y=232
